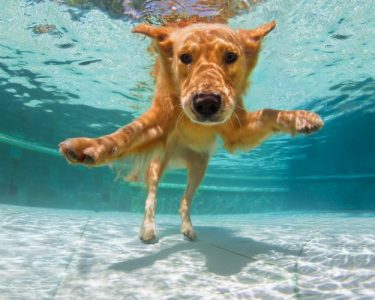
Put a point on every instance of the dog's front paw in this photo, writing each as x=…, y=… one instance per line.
x=83, y=151
x=188, y=232
x=148, y=235
x=300, y=121
x=308, y=122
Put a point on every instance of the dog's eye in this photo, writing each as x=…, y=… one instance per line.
x=186, y=58
x=230, y=57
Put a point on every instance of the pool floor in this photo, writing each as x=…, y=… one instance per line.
x=69, y=254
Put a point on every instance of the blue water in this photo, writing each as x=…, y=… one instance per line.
x=73, y=68
x=89, y=75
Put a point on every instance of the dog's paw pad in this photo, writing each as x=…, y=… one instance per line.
x=72, y=156
x=88, y=160
x=92, y=154
x=81, y=150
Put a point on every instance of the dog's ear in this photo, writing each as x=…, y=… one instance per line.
x=252, y=38
x=259, y=32
x=156, y=32
x=160, y=34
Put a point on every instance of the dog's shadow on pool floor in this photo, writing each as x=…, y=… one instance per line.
x=225, y=253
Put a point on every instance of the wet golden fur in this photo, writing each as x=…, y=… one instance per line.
x=172, y=132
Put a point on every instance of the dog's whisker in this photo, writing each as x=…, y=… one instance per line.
x=238, y=119
x=231, y=122
x=240, y=107
x=179, y=118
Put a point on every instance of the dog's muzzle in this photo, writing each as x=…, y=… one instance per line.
x=206, y=105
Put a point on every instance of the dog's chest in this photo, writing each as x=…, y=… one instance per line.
x=180, y=153
x=195, y=137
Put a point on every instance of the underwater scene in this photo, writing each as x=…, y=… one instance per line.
x=291, y=219
x=77, y=70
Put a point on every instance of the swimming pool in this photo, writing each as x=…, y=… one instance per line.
x=73, y=68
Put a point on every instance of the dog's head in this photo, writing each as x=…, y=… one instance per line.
x=207, y=65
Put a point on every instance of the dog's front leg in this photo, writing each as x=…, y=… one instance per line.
x=248, y=129
x=154, y=173
x=196, y=167
x=102, y=150
x=296, y=121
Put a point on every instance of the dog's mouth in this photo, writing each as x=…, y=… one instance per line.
x=205, y=108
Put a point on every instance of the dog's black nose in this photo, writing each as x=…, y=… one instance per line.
x=206, y=104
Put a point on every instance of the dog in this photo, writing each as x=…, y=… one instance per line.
x=202, y=72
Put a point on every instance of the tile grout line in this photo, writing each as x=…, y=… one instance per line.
x=65, y=273
x=296, y=289
x=232, y=251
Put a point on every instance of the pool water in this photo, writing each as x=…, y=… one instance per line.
x=293, y=217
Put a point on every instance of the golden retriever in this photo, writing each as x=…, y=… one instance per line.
x=202, y=73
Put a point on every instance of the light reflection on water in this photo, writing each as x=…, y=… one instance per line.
x=161, y=11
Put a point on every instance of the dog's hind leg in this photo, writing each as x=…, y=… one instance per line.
x=154, y=173
x=196, y=166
